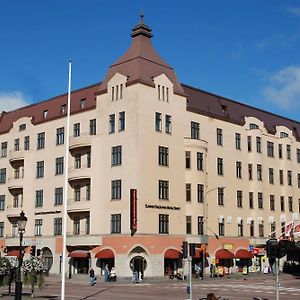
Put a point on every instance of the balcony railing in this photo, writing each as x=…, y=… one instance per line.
x=81, y=173
x=82, y=141
x=15, y=156
x=82, y=205
x=15, y=182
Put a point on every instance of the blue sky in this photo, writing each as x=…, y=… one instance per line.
x=246, y=50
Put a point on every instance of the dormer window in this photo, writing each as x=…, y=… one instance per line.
x=22, y=127
x=117, y=92
x=63, y=109
x=82, y=103
x=253, y=126
x=163, y=93
x=283, y=134
x=45, y=114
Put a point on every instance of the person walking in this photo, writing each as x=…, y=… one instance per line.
x=91, y=277
x=106, y=273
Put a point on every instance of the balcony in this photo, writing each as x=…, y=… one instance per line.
x=82, y=141
x=83, y=239
x=82, y=173
x=16, y=156
x=82, y=205
x=15, y=183
x=13, y=212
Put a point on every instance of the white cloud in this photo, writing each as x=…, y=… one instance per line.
x=294, y=10
x=284, y=88
x=12, y=100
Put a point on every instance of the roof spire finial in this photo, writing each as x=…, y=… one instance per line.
x=142, y=17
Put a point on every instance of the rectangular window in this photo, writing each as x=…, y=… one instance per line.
x=87, y=224
x=188, y=224
x=111, y=123
x=239, y=169
x=260, y=200
x=282, y=208
x=58, y=196
x=258, y=144
x=168, y=124
x=88, y=159
x=26, y=142
x=251, y=202
x=290, y=204
x=272, y=202
x=239, y=198
x=221, y=227
x=93, y=127
x=76, y=129
x=22, y=127
x=281, y=177
x=116, y=189
x=60, y=136
x=59, y=165
x=188, y=192
x=3, y=175
x=220, y=166
x=271, y=175
x=39, y=196
x=41, y=140
x=200, y=225
x=88, y=191
x=63, y=109
x=261, y=229
x=187, y=159
x=273, y=230
x=2, y=202
x=17, y=145
x=158, y=121
x=115, y=225
x=163, y=189
x=298, y=156
x=280, y=150
x=14, y=228
x=195, y=128
x=250, y=171
x=3, y=149
x=241, y=228
x=163, y=224
x=238, y=141
x=219, y=136
x=122, y=121
x=57, y=226
x=270, y=149
x=249, y=143
x=200, y=192
x=116, y=155
x=77, y=193
x=45, y=114
x=289, y=177
x=76, y=225
x=298, y=177
x=199, y=161
x=40, y=169
x=82, y=103
x=259, y=172
x=38, y=227
x=220, y=196
x=252, y=228
x=1, y=229
x=77, y=161
x=288, y=151
x=163, y=156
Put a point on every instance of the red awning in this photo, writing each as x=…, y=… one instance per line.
x=198, y=253
x=224, y=254
x=106, y=253
x=79, y=254
x=172, y=254
x=243, y=253
x=13, y=253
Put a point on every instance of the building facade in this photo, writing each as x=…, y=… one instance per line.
x=205, y=169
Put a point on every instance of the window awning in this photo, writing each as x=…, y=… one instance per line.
x=104, y=254
x=224, y=254
x=172, y=254
x=79, y=254
x=13, y=253
x=243, y=253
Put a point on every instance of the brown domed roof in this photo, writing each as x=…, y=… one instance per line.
x=141, y=63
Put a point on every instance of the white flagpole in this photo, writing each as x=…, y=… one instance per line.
x=63, y=273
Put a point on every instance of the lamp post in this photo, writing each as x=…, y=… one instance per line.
x=205, y=226
x=22, y=220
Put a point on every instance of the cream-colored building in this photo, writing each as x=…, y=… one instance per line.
x=201, y=165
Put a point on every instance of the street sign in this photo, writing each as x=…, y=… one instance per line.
x=251, y=247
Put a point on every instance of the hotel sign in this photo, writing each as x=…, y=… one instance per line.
x=162, y=207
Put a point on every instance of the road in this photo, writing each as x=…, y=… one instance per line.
x=232, y=289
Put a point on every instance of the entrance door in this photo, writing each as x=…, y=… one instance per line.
x=139, y=264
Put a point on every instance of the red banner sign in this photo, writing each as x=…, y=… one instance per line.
x=133, y=211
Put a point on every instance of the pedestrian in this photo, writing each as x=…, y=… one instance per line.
x=106, y=273
x=91, y=276
x=211, y=296
x=113, y=275
x=212, y=270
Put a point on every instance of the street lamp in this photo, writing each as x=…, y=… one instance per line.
x=22, y=220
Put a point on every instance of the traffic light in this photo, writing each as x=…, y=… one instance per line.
x=192, y=249
x=184, y=249
x=32, y=250
x=271, y=248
